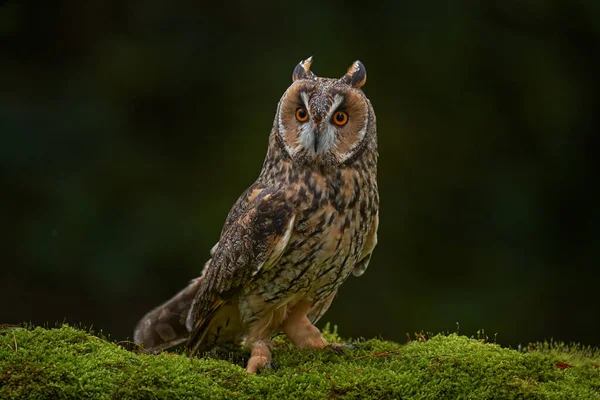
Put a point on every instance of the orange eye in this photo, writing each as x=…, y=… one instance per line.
x=340, y=118
x=302, y=114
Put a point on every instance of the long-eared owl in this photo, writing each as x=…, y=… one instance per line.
x=294, y=236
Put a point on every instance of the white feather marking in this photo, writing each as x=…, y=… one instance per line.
x=214, y=248
x=328, y=138
x=350, y=152
x=190, y=319
x=362, y=132
x=280, y=123
x=307, y=138
x=337, y=100
x=304, y=97
x=279, y=247
x=205, y=269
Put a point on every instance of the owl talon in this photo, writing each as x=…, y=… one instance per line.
x=266, y=367
x=270, y=365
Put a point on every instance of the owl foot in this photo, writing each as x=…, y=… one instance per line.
x=260, y=357
x=256, y=363
x=300, y=331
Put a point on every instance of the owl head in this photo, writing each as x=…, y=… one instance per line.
x=325, y=121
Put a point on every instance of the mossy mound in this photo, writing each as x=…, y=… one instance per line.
x=71, y=363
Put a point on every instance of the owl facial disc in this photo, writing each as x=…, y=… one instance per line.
x=323, y=120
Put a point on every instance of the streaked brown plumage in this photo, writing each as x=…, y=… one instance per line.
x=294, y=236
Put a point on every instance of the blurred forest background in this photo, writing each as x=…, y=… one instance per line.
x=129, y=128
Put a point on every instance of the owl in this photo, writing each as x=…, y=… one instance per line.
x=294, y=236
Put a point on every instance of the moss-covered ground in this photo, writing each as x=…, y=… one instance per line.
x=39, y=363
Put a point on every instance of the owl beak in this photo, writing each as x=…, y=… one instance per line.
x=317, y=135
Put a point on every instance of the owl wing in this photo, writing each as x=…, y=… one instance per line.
x=370, y=243
x=252, y=242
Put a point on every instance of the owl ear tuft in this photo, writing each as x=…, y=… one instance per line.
x=302, y=70
x=356, y=75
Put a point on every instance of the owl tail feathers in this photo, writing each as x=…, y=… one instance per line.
x=165, y=326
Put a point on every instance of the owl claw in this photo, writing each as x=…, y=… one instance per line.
x=271, y=365
x=267, y=366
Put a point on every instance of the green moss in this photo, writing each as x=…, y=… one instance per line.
x=70, y=363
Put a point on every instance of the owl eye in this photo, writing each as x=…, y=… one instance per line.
x=302, y=114
x=340, y=118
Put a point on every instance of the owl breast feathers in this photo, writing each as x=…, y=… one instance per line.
x=294, y=236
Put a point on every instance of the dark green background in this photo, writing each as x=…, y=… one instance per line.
x=129, y=128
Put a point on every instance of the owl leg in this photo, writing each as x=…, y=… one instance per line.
x=300, y=331
x=259, y=340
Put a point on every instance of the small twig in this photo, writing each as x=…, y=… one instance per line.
x=135, y=344
x=19, y=325
x=15, y=339
x=384, y=354
x=8, y=345
x=208, y=372
x=5, y=326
